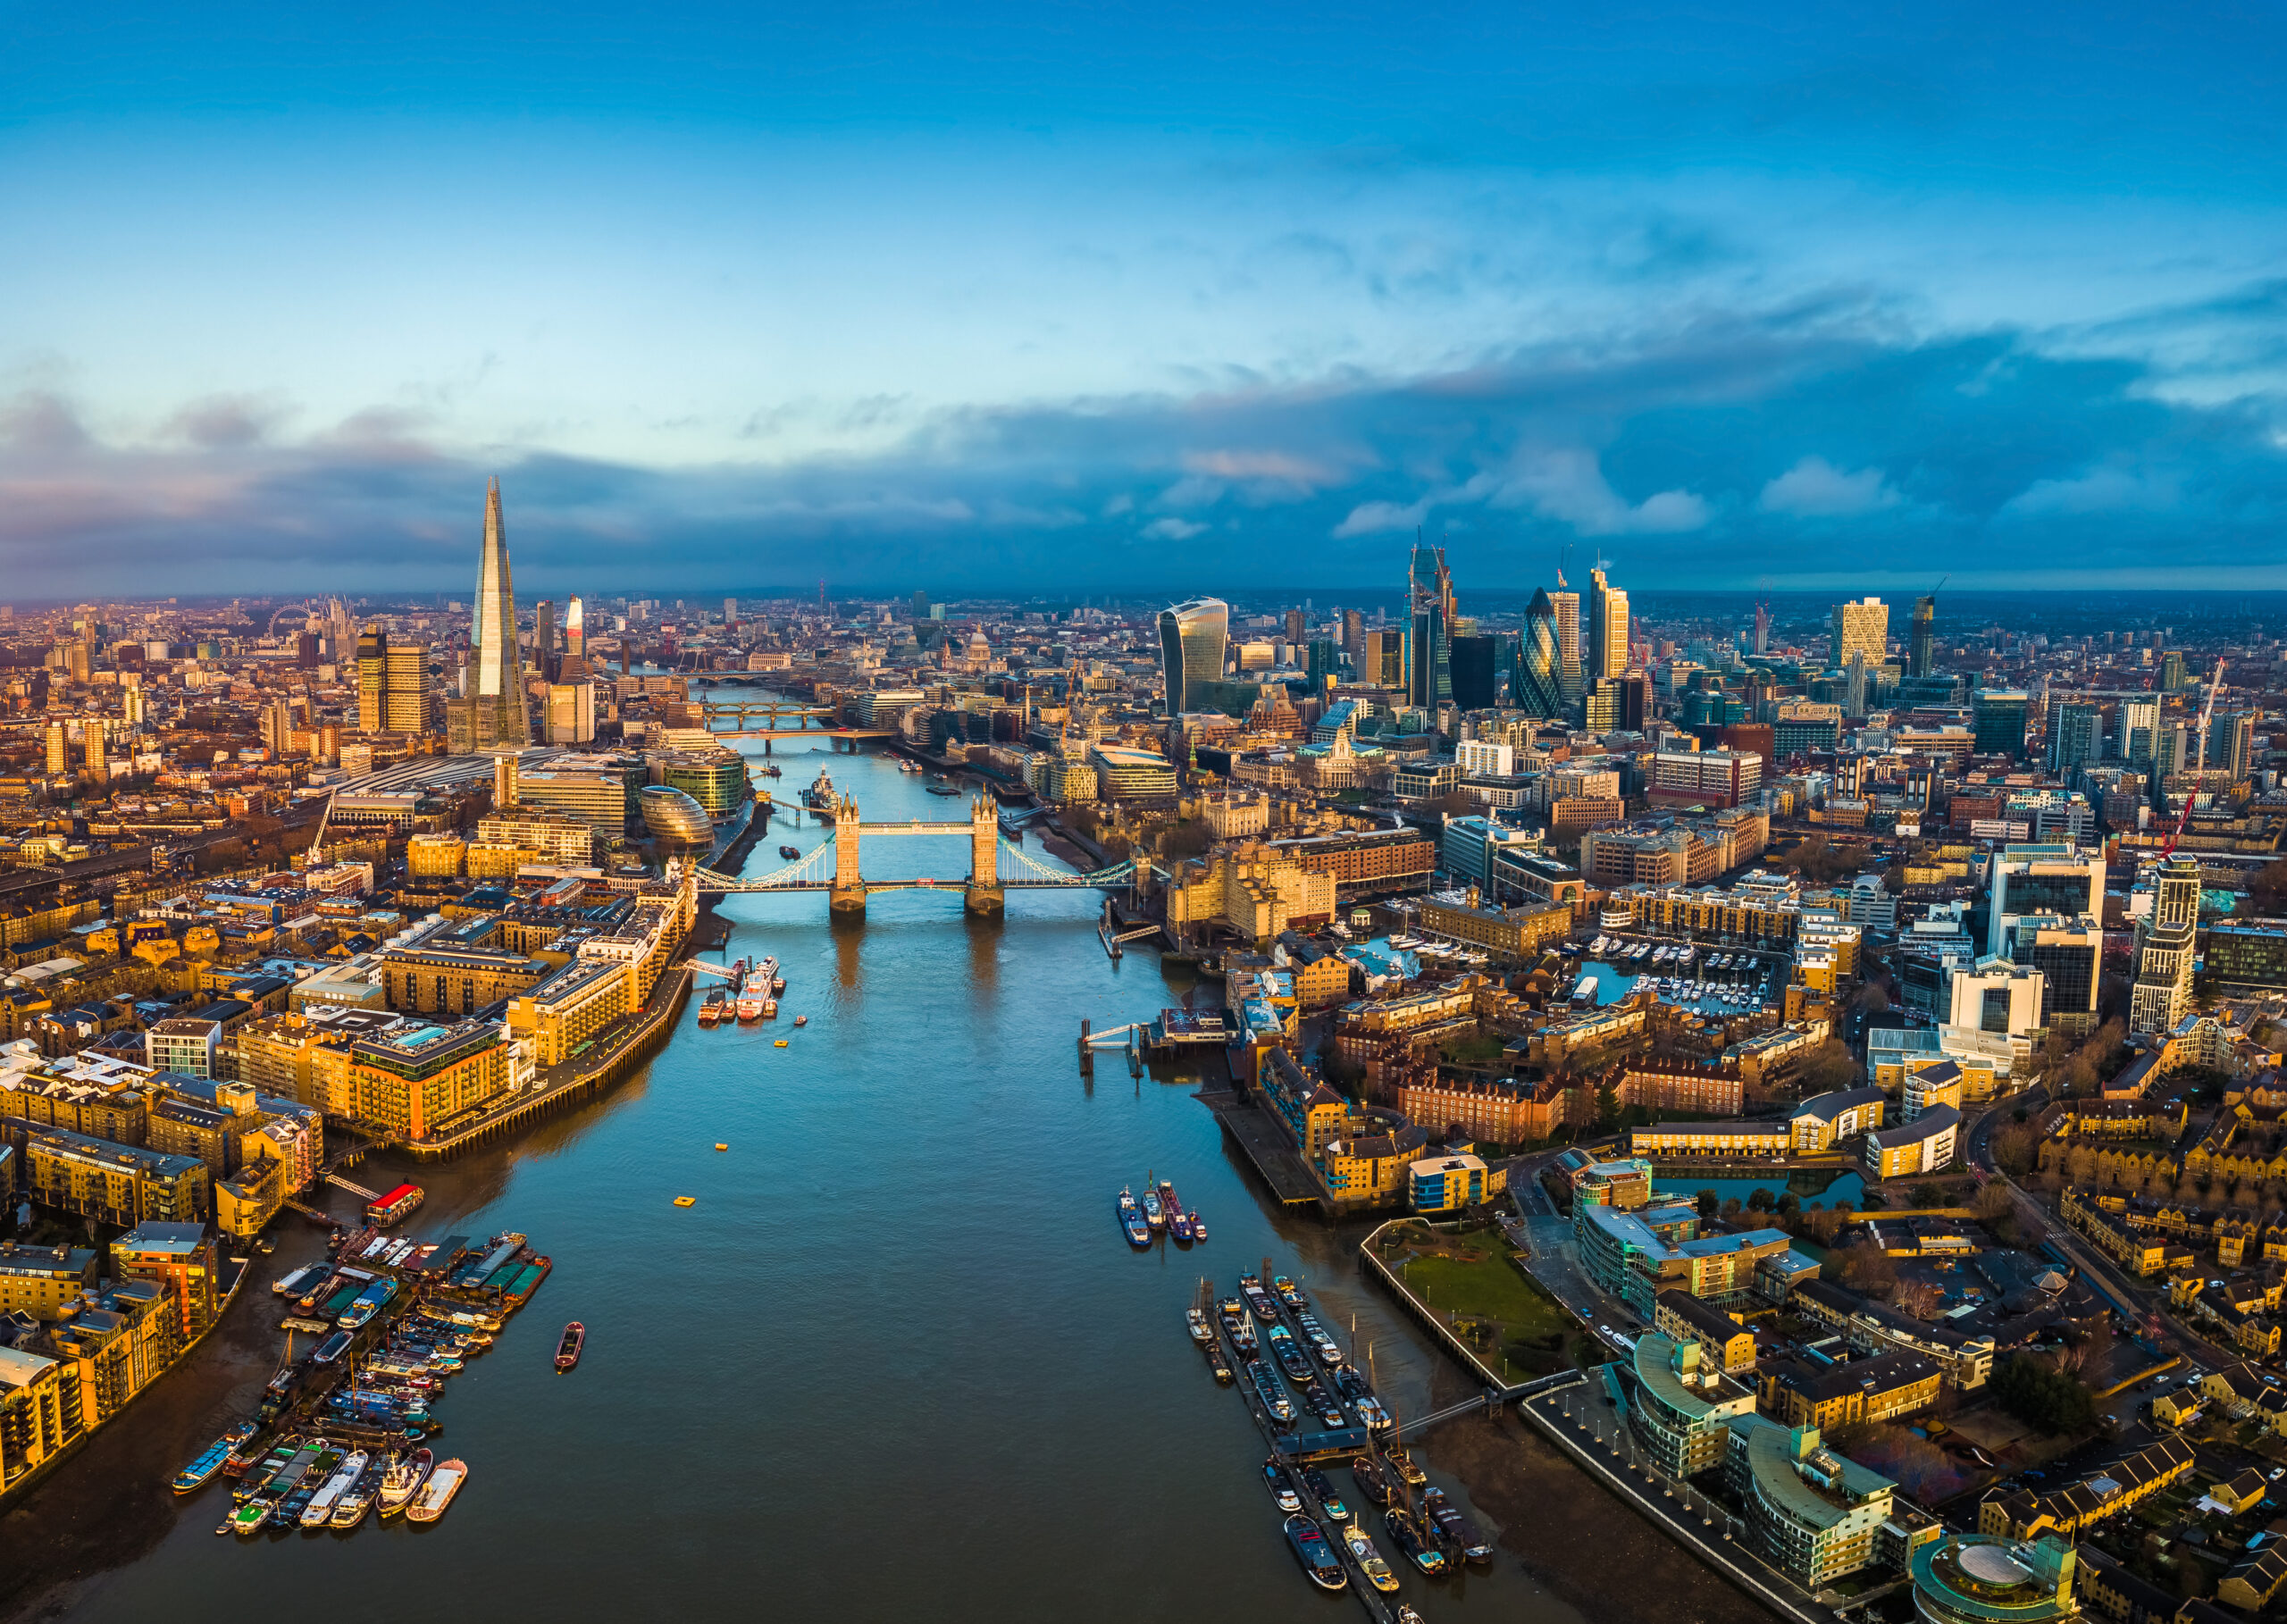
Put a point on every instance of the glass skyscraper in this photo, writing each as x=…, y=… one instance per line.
x=1538, y=689
x=1192, y=639
x=496, y=690
x=1607, y=628
x=1429, y=630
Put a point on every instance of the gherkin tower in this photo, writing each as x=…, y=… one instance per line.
x=1537, y=690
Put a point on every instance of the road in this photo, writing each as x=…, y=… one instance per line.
x=136, y=859
x=2197, y=1353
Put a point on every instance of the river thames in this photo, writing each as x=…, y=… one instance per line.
x=896, y=1362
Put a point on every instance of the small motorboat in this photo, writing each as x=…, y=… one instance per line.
x=789, y=852
x=567, y=1348
x=802, y=1020
x=1198, y=1227
x=1202, y=1333
x=1282, y=1490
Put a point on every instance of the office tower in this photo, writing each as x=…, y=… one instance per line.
x=1607, y=649
x=919, y=606
x=496, y=698
x=2165, y=939
x=134, y=706
x=544, y=638
x=1538, y=692
x=730, y=611
x=307, y=650
x=1429, y=628
x=1763, y=628
x=571, y=711
x=1294, y=626
x=59, y=760
x=504, y=783
x=2230, y=743
x=1193, y=637
x=2135, y=728
x=407, y=707
x=1475, y=672
x=1921, y=648
x=2172, y=672
x=373, y=680
x=98, y=762
x=76, y=660
x=1325, y=663
x=1383, y=663
x=1353, y=636
x=1854, y=686
x=1570, y=665
x=2077, y=738
x=277, y=721
x=2024, y=880
x=575, y=634
x=1861, y=627
x=1999, y=720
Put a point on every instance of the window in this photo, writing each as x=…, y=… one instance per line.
x=1995, y=1015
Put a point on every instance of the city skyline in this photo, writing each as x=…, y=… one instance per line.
x=1725, y=296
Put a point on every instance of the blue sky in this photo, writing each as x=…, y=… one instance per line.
x=1065, y=298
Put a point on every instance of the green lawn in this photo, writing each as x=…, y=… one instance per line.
x=1492, y=1288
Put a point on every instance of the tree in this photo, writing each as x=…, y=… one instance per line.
x=1928, y=1195
x=1709, y=1205
x=2268, y=888
x=1828, y=1068
x=2044, y=1398
x=1869, y=1270
x=1759, y=1200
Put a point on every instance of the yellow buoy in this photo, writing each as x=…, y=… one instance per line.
x=781, y=1043
x=686, y=1201
x=722, y=1147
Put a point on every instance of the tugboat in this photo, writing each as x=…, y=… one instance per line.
x=403, y=1480
x=567, y=1349
x=1139, y=1234
x=1198, y=1226
x=789, y=852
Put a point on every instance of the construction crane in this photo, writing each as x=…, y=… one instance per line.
x=2206, y=716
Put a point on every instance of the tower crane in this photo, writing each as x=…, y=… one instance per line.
x=2206, y=716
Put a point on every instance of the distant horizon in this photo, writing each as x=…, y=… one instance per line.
x=1836, y=298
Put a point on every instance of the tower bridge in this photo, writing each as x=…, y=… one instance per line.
x=995, y=866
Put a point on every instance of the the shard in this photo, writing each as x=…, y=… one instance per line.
x=496, y=693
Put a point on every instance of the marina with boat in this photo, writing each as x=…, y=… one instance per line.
x=342, y=1429
x=1320, y=1414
